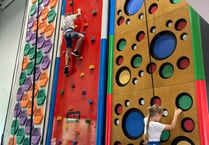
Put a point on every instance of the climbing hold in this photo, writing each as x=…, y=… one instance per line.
x=91, y=67
x=41, y=97
x=83, y=92
x=71, y=3
x=62, y=92
x=66, y=127
x=85, y=25
x=90, y=101
x=25, y=62
x=75, y=26
x=59, y=118
x=82, y=74
x=93, y=39
x=72, y=85
x=38, y=116
x=94, y=12
x=59, y=142
x=14, y=127
x=77, y=132
x=88, y=121
x=49, y=30
x=81, y=58
x=70, y=108
x=74, y=142
x=83, y=33
x=44, y=77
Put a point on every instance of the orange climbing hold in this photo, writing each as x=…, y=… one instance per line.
x=70, y=108
x=59, y=118
x=81, y=58
x=30, y=107
x=12, y=141
x=44, y=77
x=35, y=25
x=38, y=116
x=34, y=1
x=36, y=90
x=42, y=27
x=49, y=30
x=25, y=100
x=25, y=62
x=77, y=132
x=44, y=13
x=85, y=25
x=52, y=3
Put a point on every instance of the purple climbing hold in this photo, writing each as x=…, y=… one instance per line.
x=20, y=93
x=30, y=22
x=36, y=136
x=38, y=11
x=28, y=83
x=45, y=3
x=23, y=117
x=45, y=62
x=33, y=39
x=27, y=126
x=38, y=73
x=47, y=46
x=40, y=42
x=28, y=35
x=17, y=110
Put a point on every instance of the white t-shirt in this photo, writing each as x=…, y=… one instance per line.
x=155, y=130
x=69, y=21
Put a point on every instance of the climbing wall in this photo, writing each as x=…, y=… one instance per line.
x=35, y=71
x=154, y=62
x=76, y=104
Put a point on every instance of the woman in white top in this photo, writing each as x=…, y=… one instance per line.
x=154, y=127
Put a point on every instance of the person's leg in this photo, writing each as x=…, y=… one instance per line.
x=67, y=54
x=80, y=38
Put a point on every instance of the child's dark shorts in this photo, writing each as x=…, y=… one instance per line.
x=68, y=37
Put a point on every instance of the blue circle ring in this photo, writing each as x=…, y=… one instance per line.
x=163, y=45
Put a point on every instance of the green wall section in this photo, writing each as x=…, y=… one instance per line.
x=197, y=45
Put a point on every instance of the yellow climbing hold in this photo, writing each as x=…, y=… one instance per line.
x=59, y=118
x=82, y=74
x=91, y=67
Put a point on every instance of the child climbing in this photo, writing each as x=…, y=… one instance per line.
x=154, y=127
x=69, y=34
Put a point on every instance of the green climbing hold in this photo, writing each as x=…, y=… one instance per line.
x=22, y=78
x=62, y=92
x=88, y=121
x=165, y=135
x=26, y=141
x=40, y=2
x=33, y=9
x=94, y=12
x=27, y=49
x=14, y=127
x=41, y=97
x=32, y=53
x=51, y=15
x=39, y=57
x=30, y=68
x=20, y=135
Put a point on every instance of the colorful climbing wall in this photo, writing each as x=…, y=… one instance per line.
x=154, y=61
x=29, y=121
x=76, y=108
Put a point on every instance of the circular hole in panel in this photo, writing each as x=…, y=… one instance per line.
x=155, y=100
x=117, y=143
x=123, y=76
x=118, y=109
x=184, y=101
x=165, y=112
x=166, y=70
x=180, y=24
x=135, y=81
x=119, y=60
x=136, y=61
x=187, y=124
x=127, y=103
x=128, y=21
x=141, y=73
x=153, y=8
x=175, y=1
x=140, y=36
x=141, y=15
x=183, y=63
x=163, y=45
x=134, y=46
x=151, y=68
x=120, y=20
x=182, y=140
x=141, y=101
x=117, y=122
x=165, y=136
x=169, y=23
x=133, y=123
x=133, y=6
x=184, y=36
x=121, y=44
x=119, y=12
x=153, y=29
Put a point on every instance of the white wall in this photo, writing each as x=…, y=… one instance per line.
x=10, y=27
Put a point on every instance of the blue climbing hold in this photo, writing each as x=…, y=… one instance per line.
x=133, y=6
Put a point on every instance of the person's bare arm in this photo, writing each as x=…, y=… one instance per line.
x=174, y=121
